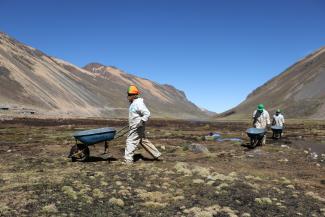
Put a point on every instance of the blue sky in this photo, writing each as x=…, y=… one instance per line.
x=216, y=51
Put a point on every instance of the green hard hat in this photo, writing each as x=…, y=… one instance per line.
x=260, y=107
x=278, y=111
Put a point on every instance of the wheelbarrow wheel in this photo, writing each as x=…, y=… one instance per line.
x=79, y=152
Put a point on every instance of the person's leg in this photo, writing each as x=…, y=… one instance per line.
x=132, y=143
x=149, y=147
x=146, y=144
x=264, y=140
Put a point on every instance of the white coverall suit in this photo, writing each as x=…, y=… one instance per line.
x=262, y=121
x=138, y=112
x=279, y=120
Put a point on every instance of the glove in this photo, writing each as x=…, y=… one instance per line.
x=140, y=124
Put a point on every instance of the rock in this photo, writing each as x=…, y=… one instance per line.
x=163, y=147
x=116, y=202
x=246, y=215
x=197, y=148
x=284, y=146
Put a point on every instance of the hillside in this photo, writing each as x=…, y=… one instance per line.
x=299, y=91
x=34, y=81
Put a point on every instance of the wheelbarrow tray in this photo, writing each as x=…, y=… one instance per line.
x=255, y=133
x=277, y=129
x=91, y=137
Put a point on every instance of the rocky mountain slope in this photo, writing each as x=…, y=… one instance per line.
x=299, y=91
x=31, y=80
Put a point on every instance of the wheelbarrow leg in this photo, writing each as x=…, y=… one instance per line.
x=105, y=147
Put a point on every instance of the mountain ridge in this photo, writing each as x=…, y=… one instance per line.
x=299, y=91
x=52, y=86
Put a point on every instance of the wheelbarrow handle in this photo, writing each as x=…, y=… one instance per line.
x=118, y=136
x=122, y=129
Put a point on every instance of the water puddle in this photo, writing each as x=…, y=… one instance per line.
x=217, y=137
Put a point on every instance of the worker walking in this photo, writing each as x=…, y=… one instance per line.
x=278, y=121
x=261, y=119
x=138, y=116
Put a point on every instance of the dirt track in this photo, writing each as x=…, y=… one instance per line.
x=283, y=178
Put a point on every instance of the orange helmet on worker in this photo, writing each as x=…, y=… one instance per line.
x=133, y=90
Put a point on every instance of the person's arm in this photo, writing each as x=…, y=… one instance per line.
x=268, y=122
x=144, y=113
x=282, y=118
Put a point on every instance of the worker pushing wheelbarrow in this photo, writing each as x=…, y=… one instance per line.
x=257, y=134
x=277, y=125
x=138, y=116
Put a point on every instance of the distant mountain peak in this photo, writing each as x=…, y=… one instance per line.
x=93, y=65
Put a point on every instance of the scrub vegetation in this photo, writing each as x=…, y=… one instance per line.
x=283, y=178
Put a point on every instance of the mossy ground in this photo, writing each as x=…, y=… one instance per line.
x=37, y=179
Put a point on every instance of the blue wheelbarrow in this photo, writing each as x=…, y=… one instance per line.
x=277, y=132
x=256, y=135
x=80, y=151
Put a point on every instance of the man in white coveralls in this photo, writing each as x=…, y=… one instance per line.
x=138, y=116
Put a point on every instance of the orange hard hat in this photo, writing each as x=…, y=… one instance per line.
x=133, y=90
